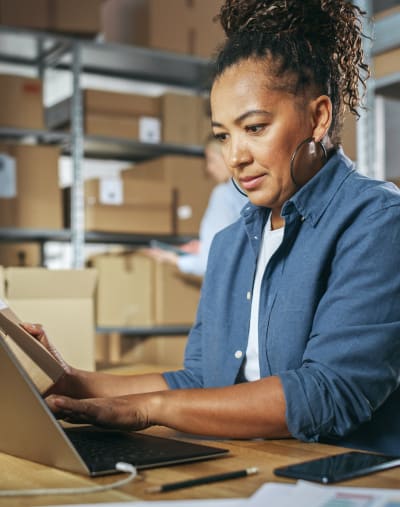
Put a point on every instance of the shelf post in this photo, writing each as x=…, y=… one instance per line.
x=77, y=190
x=366, y=141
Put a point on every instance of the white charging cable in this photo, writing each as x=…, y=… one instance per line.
x=121, y=467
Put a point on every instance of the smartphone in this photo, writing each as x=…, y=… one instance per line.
x=339, y=467
x=154, y=243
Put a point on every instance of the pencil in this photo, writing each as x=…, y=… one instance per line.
x=203, y=480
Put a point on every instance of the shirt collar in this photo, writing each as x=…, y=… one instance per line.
x=314, y=197
x=311, y=201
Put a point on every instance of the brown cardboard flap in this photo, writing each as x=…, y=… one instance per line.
x=35, y=357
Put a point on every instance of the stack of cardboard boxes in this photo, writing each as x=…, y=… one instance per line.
x=163, y=196
x=153, y=23
x=66, y=16
x=149, y=23
x=135, y=291
x=172, y=118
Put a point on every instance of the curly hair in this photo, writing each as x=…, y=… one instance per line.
x=308, y=44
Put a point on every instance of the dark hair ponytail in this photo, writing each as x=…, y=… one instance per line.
x=310, y=45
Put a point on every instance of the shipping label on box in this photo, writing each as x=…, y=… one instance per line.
x=111, y=191
x=8, y=178
x=149, y=130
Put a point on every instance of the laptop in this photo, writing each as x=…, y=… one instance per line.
x=29, y=430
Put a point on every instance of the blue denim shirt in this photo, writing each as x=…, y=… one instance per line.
x=329, y=321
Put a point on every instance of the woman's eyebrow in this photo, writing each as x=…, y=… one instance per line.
x=244, y=116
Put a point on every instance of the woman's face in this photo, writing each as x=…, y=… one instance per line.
x=259, y=128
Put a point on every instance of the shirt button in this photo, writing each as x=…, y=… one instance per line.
x=238, y=354
x=302, y=218
x=248, y=295
x=255, y=237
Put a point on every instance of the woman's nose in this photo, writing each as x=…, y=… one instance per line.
x=238, y=154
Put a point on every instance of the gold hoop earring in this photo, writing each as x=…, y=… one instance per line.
x=237, y=187
x=306, y=161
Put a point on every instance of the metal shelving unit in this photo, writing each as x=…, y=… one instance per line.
x=41, y=51
x=384, y=36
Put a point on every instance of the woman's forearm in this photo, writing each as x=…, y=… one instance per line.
x=86, y=384
x=249, y=410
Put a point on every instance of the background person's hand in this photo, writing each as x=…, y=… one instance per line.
x=191, y=247
x=161, y=255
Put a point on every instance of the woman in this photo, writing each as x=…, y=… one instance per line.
x=299, y=320
x=223, y=208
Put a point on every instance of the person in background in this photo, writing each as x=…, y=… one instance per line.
x=298, y=326
x=224, y=206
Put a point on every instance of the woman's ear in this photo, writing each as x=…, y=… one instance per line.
x=321, y=109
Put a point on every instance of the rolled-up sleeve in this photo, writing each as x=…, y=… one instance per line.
x=351, y=363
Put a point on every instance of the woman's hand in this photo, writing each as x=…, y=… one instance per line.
x=37, y=331
x=123, y=412
x=64, y=384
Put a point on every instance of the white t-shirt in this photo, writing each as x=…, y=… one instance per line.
x=270, y=243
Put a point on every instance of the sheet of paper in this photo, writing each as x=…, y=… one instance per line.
x=274, y=494
x=305, y=494
x=224, y=502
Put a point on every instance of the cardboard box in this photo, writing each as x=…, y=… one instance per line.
x=116, y=103
x=112, y=114
x=38, y=200
x=187, y=179
x=386, y=63
x=62, y=301
x=177, y=296
x=135, y=290
x=21, y=102
x=25, y=13
x=164, y=352
x=2, y=283
x=183, y=119
x=152, y=23
x=20, y=254
x=208, y=34
x=75, y=16
x=136, y=207
x=349, y=136
x=111, y=126
x=125, y=290
x=163, y=30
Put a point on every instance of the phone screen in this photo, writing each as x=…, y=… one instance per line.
x=339, y=467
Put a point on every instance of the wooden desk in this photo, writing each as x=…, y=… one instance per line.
x=17, y=473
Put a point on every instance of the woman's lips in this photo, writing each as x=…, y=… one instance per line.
x=251, y=182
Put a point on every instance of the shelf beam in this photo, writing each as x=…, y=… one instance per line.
x=18, y=235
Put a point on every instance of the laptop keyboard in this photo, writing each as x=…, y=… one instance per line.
x=102, y=449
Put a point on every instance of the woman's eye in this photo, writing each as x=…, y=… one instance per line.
x=221, y=137
x=255, y=129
